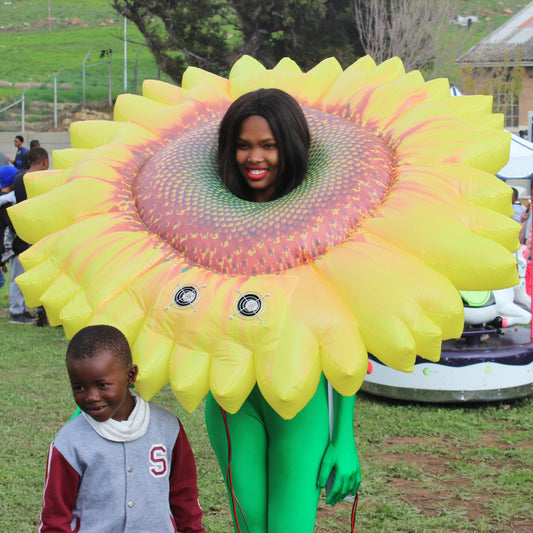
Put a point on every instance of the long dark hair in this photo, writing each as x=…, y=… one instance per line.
x=288, y=124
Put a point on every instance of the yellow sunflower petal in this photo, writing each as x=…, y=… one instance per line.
x=151, y=352
x=403, y=308
x=319, y=81
x=189, y=376
x=94, y=133
x=37, y=183
x=67, y=157
x=468, y=261
x=194, y=76
x=125, y=312
x=245, y=66
x=57, y=295
x=289, y=65
x=78, y=198
x=464, y=183
x=468, y=105
x=328, y=342
x=478, y=219
x=448, y=140
x=232, y=375
x=162, y=92
x=75, y=314
x=36, y=280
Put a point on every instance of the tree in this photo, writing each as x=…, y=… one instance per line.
x=414, y=30
x=212, y=34
x=180, y=33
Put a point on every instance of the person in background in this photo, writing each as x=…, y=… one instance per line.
x=21, y=150
x=18, y=312
x=518, y=208
x=34, y=143
x=7, y=198
x=4, y=160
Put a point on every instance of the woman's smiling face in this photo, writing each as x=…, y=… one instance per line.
x=257, y=157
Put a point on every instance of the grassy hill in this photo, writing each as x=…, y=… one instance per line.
x=30, y=52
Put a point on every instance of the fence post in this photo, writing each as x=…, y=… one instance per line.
x=23, y=112
x=110, y=98
x=83, y=77
x=55, y=96
x=125, y=55
x=137, y=67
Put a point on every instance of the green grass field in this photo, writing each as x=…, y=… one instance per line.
x=438, y=468
x=31, y=53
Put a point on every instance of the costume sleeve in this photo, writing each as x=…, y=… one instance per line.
x=183, y=496
x=59, y=495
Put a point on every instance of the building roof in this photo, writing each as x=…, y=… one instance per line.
x=510, y=42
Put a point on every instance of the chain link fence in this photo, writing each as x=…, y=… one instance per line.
x=52, y=104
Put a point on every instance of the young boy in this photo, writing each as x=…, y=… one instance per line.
x=123, y=465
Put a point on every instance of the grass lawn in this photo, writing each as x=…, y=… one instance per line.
x=30, y=52
x=425, y=467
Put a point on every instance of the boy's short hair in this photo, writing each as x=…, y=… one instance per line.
x=36, y=155
x=20, y=138
x=92, y=340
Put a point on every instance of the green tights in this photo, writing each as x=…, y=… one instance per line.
x=274, y=462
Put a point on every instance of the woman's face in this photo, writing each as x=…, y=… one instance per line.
x=257, y=157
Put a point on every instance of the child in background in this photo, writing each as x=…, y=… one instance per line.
x=124, y=464
x=7, y=198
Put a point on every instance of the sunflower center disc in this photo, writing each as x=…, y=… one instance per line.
x=180, y=197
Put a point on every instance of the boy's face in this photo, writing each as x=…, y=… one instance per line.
x=100, y=386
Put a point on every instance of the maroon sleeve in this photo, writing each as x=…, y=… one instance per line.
x=183, y=496
x=59, y=495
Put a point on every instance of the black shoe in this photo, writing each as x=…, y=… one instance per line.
x=42, y=319
x=21, y=319
x=27, y=314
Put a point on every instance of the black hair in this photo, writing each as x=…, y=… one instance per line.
x=288, y=124
x=36, y=155
x=34, y=144
x=91, y=341
x=20, y=138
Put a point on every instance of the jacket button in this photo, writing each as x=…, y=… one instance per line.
x=130, y=504
x=130, y=468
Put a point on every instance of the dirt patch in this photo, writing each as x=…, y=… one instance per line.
x=495, y=439
x=437, y=489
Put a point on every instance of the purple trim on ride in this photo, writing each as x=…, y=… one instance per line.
x=511, y=346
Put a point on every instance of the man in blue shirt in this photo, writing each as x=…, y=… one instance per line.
x=21, y=150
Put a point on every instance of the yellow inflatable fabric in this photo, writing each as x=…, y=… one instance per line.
x=400, y=209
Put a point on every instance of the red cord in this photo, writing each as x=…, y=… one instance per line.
x=354, y=511
x=229, y=480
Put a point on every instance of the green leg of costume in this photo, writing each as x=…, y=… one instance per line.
x=274, y=462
